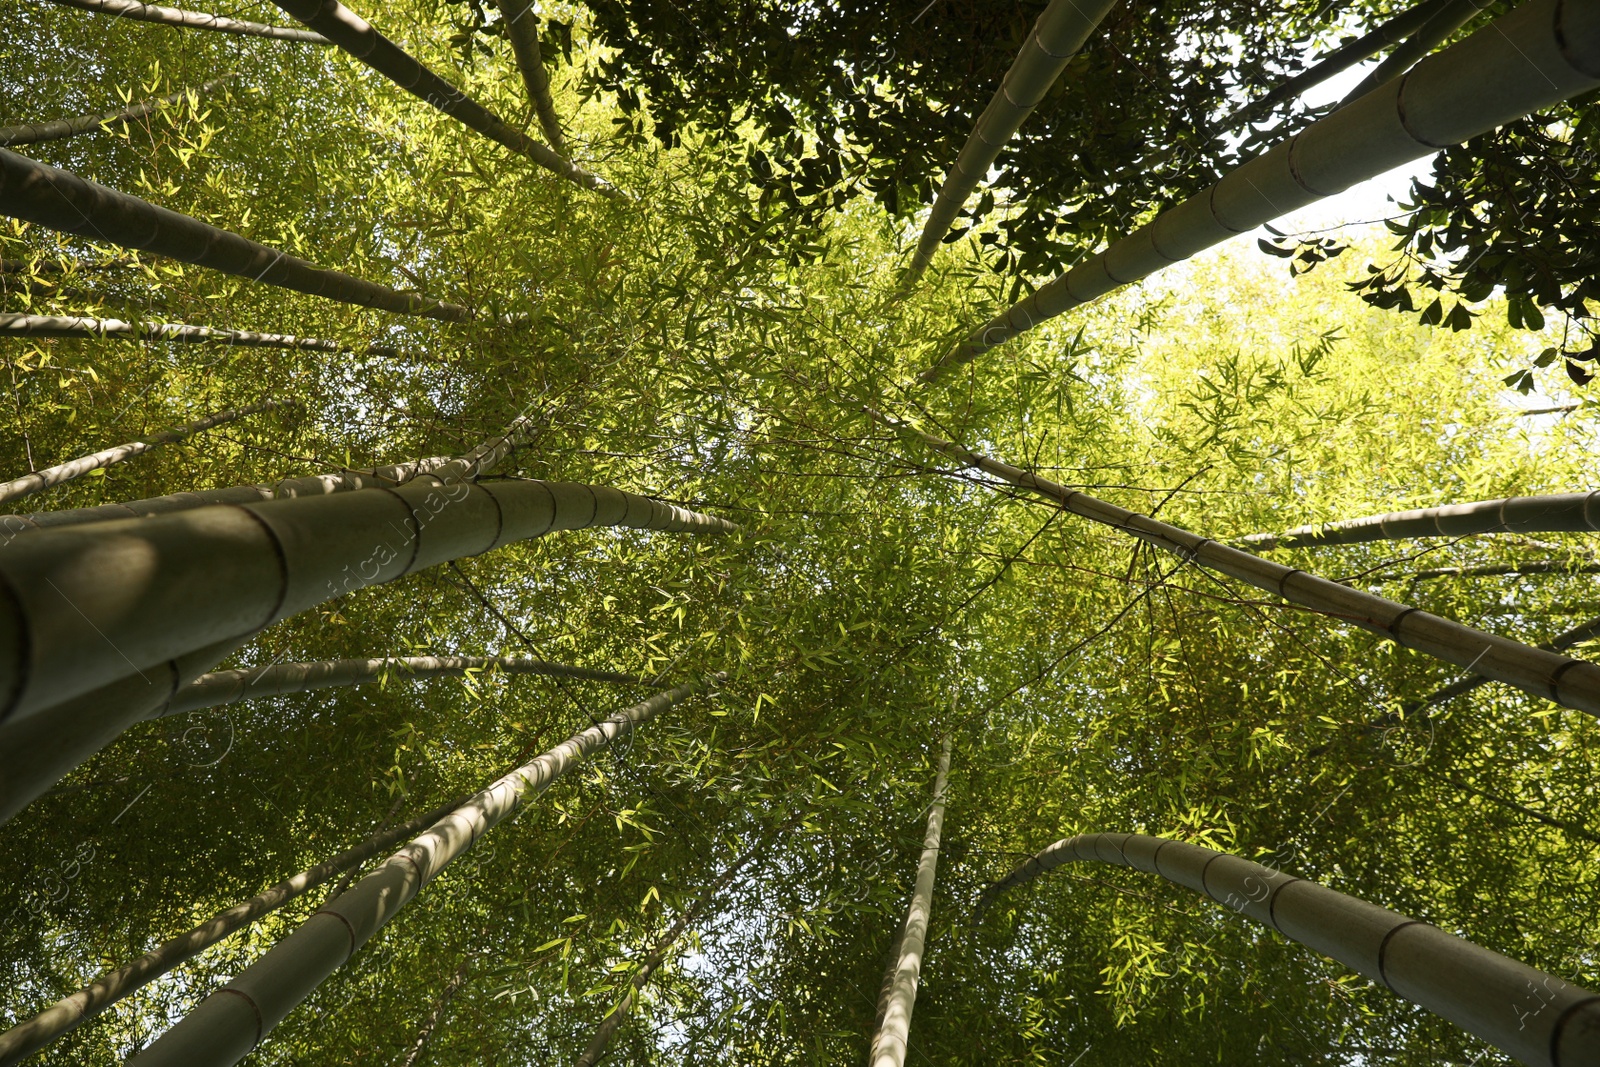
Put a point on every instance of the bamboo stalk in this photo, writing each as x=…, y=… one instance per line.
x=1441, y=24
x=22, y=1040
x=436, y=1014
x=1540, y=53
x=1536, y=1017
x=1569, y=682
x=1055, y=38
x=220, y=688
x=62, y=128
x=889, y=1043
x=1538, y=566
x=1339, y=60
x=19, y=325
x=356, y=36
x=38, y=481
x=1555, y=513
x=82, y=606
x=58, y=200
x=522, y=27
x=171, y=16
x=230, y=1023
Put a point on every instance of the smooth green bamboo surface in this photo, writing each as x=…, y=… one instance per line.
x=194, y=20
x=1555, y=513
x=19, y=325
x=522, y=27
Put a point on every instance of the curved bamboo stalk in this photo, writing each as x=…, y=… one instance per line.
x=889, y=1043
x=57, y=200
x=1555, y=513
x=19, y=325
x=83, y=606
x=63, y=128
x=1540, y=53
x=26, y=1038
x=1055, y=38
x=38, y=481
x=1447, y=20
x=356, y=36
x=481, y=460
x=1339, y=60
x=1533, y=1016
x=230, y=1023
x=522, y=27
x=219, y=688
x=171, y=16
x=1547, y=675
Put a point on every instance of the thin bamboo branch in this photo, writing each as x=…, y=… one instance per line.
x=19, y=325
x=39, y=481
x=1541, y=566
x=1535, y=1017
x=356, y=36
x=890, y=1042
x=1443, y=22
x=220, y=688
x=1547, y=675
x=436, y=1014
x=26, y=1038
x=171, y=16
x=63, y=128
x=522, y=27
x=230, y=1023
x=57, y=200
x=1554, y=513
x=1540, y=53
x=1055, y=38
x=1339, y=60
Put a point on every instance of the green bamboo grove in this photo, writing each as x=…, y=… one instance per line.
x=586, y=400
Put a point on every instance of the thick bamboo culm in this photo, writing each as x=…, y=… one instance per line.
x=220, y=688
x=195, y=20
x=894, y=1032
x=481, y=460
x=229, y=1024
x=1056, y=37
x=522, y=28
x=59, y=129
x=1443, y=22
x=82, y=606
x=1540, y=53
x=20, y=325
x=356, y=36
x=39, y=481
x=1536, y=1017
x=1556, y=513
x=26, y=1038
x=1548, y=675
x=57, y=200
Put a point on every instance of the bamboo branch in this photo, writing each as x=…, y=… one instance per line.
x=1554, y=513
x=1547, y=675
x=171, y=16
x=19, y=325
x=451, y=988
x=22, y=1040
x=230, y=1023
x=522, y=27
x=356, y=36
x=57, y=200
x=1542, y=52
x=1535, y=1017
x=38, y=481
x=63, y=128
x=1446, y=20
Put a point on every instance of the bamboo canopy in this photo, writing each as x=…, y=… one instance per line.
x=1548, y=675
x=196, y=20
x=1536, y=1017
x=38, y=481
x=1556, y=513
x=1540, y=53
x=59, y=129
x=1055, y=38
x=57, y=200
x=14, y=324
x=894, y=1032
x=220, y=688
x=26, y=1038
x=356, y=36
x=229, y=1024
